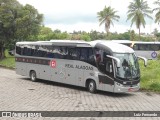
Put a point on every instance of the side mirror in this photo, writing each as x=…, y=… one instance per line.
x=144, y=59
x=116, y=59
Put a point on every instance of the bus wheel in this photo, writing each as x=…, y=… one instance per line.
x=92, y=86
x=33, y=76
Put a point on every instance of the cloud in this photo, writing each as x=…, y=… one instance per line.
x=81, y=26
x=69, y=15
x=69, y=19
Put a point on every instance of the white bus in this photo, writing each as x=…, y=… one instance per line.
x=96, y=65
x=148, y=50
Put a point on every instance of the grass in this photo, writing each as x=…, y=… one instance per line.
x=150, y=75
x=8, y=62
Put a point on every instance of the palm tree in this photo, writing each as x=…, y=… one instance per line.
x=157, y=16
x=107, y=15
x=138, y=10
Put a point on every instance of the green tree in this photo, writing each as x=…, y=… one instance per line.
x=132, y=35
x=45, y=33
x=17, y=22
x=107, y=16
x=57, y=31
x=28, y=23
x=155, y=31
x=8, y=9
x=157, y=15
x=138, y=10
x=85, y=36
x=94, y=35
x=57, y=34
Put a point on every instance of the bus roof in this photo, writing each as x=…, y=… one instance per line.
x=135, y=42
x=77, y=43
x=69, y=41
x=114, y=47
x=33, y=43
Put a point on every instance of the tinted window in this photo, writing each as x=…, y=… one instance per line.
x=146, y=47
x=60, y=52
x=154, y=47
x=71, y=53
x=135, y=47
x=25, y=51
x=91, y=58
x=64, y=52
x=29, y=51
x=142, y=47
x=18, y=50
x=84, y=54
x=57, y=52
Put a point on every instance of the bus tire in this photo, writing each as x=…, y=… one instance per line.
x=92, y=86
x=33, y=76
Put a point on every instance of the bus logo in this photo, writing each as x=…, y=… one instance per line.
x=154, y=54
x=53, y=63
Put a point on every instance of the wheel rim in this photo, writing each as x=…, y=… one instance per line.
x=33, y=76
x=91, y=86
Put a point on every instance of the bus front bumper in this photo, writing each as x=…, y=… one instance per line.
x=121, y=88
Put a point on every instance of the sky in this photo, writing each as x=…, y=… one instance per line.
x=81, y=15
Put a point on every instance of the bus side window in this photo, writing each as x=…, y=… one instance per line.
x=25, y=51
x=91, y=59
x=84, y=54
x=142, y=47
x=64, y=52
x=78, y=52
x=56, y=51
x=154, y=47
x=18, y=50
x=147, y=47
x=135, y=47
x=71, y=53
x=28, y=51
x=91, y=55
x=99, y=55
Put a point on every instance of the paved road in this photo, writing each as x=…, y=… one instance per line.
x=18, y=93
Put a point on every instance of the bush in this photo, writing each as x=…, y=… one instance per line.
x=158, y=57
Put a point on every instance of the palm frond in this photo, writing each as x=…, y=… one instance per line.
x=157, y=2
x=155, y=9
x=102, y=22
x=137, y=11
x=107, y=16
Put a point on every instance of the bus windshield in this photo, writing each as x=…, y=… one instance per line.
x=129, y=67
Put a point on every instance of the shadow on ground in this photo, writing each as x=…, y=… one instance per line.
x=45, y=82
